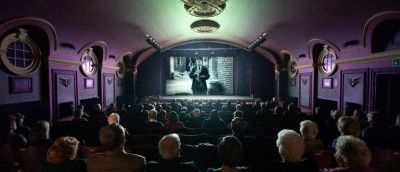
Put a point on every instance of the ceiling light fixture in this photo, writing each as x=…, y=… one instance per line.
x=153, y=42
x=204, y=8
x=204, y=26
x=258, y=41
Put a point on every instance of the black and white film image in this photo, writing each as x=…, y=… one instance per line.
x=200, y=76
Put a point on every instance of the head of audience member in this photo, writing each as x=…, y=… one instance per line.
x=70, y=109
x=78, y=113
x=20, y=118
x=168, y=109
x=158, y=107
x=98, y=108
x=214, y=115
x=397, y=122
x=349, y=125
x=264, y=106
x=290, y=145
x=278, y=110
x=238, y=126
x=113, y=118
x=309, y=129
x=224, y=108
x=318, y=110
x=375, y=118
x=238, y=113
x=8, y=125
x=239, y=107
x=230, y=151
x=351, y=152
x=152, y=115
x=358, y=113
x=112, y=137
x=169, y=146
x=40, y=131
x=81, y=107
x=335, y=114
x=196, y=113
x=173, y=117
x=64, y=149
x=113, y=107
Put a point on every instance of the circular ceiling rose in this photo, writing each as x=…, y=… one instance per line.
x=204, y=8
x=204, y=26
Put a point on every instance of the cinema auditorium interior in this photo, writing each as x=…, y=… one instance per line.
x=200, y=86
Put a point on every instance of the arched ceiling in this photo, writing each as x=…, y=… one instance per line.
x=123, y=23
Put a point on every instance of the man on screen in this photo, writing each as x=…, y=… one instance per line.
x=199, y=75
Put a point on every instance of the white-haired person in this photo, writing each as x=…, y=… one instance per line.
x=291, y=148
x=169, y=148
x=196, y=119
x=352, y=155
x=309, y=132
x=114, y=118
x=152, y=123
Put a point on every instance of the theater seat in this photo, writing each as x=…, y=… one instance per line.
x=7, y=158
x=385, y=160
x=324, y=159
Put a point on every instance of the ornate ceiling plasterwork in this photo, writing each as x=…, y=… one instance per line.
x=204, y=8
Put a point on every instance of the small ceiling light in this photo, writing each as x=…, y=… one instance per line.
x=257, y=41
x=152, y=42
x=204, y=26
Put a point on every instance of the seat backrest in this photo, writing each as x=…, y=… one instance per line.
x=385, y=160
x=324, y=159
x=7, y=158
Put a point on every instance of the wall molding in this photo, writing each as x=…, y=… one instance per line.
x=365, y=58
x=77, y=63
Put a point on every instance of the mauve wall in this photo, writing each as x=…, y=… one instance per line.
x=57, y=63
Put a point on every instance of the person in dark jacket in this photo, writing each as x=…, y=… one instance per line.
x=169, y=148
x=199, y=75
x=230, y=153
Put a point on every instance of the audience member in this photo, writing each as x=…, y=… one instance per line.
x=21, y=128
x=61, y=157
x=196, y=119
x=376, y=134
x=169, y=148
x=7, y=136
x=347, y=125
x=352, y=155
x=214, y=123
x=309, y=132
x=230, y=153
x=173, y=124
x=112, y=137
x=153, y=123
x=291, y=148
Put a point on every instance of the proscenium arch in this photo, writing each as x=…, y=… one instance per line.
x=372, y=23
x=147, y=53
